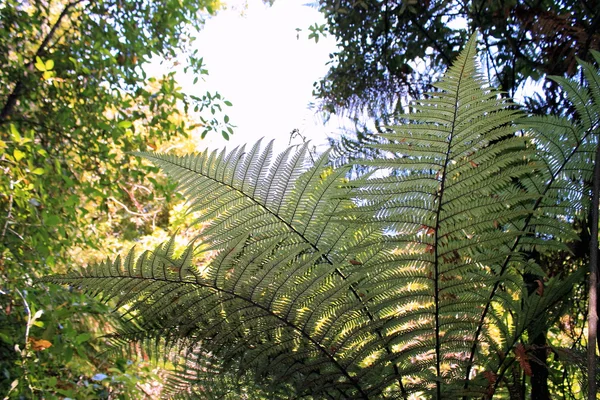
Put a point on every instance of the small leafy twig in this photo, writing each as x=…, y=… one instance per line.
x=25, y=349
x=8, y=215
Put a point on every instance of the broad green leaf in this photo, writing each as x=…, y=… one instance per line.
x=52, y=220
x=83, y=337
x=39, y=64
x=18, y=154
x=15, y=133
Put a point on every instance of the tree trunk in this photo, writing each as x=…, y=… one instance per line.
x=539, y=369
x=593, y=286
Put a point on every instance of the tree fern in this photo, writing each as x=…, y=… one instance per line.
x=445, y=206
x=565, y=148
x=402, y=282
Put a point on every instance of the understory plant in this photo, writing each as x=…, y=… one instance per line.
x=412, y=280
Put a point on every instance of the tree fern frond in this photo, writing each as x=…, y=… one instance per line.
x=407, y=281
x=236, y=320
x=441, y=206
x=243, y=193
x=566, y=147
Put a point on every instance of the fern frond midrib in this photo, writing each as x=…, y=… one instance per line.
x=325, y=256
x=516, y=243
x=436, y=266
x=252, y=303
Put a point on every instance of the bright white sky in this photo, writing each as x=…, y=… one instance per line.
x=256, y=61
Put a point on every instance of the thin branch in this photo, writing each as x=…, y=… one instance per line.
x=152, y=214
x=8, y=216
x=25, y=348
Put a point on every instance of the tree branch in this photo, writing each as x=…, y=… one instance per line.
x=11, y=101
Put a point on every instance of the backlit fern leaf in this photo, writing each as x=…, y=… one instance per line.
x=278, y=296
x=400, y=283
x=443, y=201
x=564, y=150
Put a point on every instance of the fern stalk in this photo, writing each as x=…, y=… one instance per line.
x=593, y=291
x=440, y=198
x=572, y=152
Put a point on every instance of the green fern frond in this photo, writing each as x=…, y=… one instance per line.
x=246, y=323
x=444, y=202
x=277, y=302
x=402, y=282
x=564, y=150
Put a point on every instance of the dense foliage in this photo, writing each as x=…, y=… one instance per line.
x=419, y=278
x=74, y=99
x=390, y=52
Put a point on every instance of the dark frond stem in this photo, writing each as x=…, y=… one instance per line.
x=437, y=257
x=593, y=295
x=337, y=271
x=516, y=243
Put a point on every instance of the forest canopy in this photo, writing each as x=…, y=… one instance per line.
x=390, y=52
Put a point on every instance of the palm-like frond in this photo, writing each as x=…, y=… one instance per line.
x=397, y=283
x=278, y=296
x=444, y=204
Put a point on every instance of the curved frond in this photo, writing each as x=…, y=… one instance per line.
x=444, y=196
x=403, y=282
x=279, y=296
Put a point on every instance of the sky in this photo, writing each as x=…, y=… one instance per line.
x=259, y=61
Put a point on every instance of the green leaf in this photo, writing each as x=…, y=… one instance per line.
x=68, y=354
x=227, y=103
x=83, y=337
x=15, y=133
x=225, y=135
x=49, y=65
x=125, y=124
x=52, y=220
x=18, y=154
x=38, y=171
x=39, y=64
